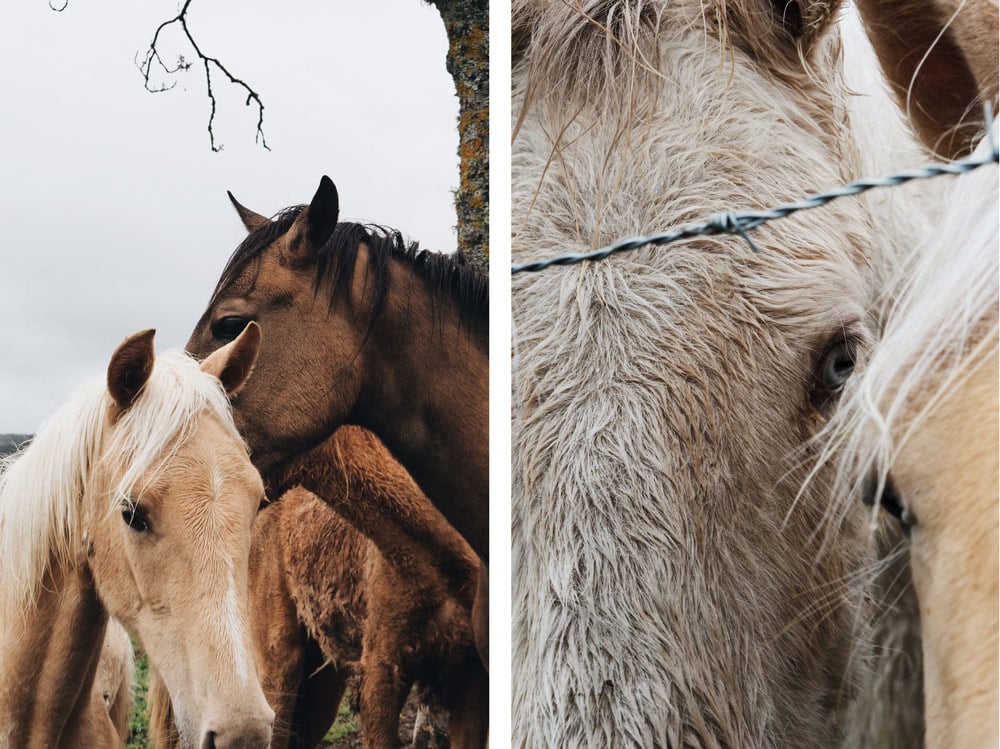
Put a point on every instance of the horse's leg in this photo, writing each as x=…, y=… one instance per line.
x=466, y=695
x=279, y=638
x=115, y=677
x=320, y=695
x=383, y=694
x=481, y=615
x=162, y=729
x=383, y=684
x=281, y=676
x=430, y=725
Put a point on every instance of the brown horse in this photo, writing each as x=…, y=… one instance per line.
x=919, y=427
x=328, y=603
x=135, y=500
x=360, y=329
x=364, y=330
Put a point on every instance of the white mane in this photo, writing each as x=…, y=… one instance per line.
x=42, y=488
x=941, y=322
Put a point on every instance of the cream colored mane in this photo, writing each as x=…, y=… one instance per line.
x=42, y=488
x=941, y=323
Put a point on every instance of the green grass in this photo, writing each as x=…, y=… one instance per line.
x=138, y=728
x=346, y=723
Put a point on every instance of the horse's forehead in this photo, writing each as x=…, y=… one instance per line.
x=266, y=275
x=208, y=459
x=219, y=456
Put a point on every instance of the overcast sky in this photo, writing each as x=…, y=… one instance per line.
x=114, y=209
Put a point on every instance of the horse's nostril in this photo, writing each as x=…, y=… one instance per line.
x=208, y=742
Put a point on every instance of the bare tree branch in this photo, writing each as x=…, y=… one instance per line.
x=209, y=63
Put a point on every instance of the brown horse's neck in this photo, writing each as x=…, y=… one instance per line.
x=48, y=661
x=426, y=395
x=354, y=474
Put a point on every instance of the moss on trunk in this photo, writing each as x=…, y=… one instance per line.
x=467, y=24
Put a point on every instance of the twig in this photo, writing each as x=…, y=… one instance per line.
x=153, y=55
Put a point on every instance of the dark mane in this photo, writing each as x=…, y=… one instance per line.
x=447, y=277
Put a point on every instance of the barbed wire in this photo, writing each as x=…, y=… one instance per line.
x=742, y=223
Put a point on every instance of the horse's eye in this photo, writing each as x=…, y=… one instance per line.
x=837, y=366
x=135, y=518
x=228, y=328
x=832, y=370
x=890, y=502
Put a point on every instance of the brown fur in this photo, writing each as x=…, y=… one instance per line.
x=360, y=330
x=413, y=594
x=334, y=604
x=942, y=66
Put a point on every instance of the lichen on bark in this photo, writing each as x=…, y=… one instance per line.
x=467, y=25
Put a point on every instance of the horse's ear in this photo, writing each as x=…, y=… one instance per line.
x=129, y=370
x=314, y=226
x=252, y=221
x=941, y=64
x=779, y=33
x=233, y=363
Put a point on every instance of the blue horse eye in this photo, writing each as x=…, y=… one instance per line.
x=837, y=367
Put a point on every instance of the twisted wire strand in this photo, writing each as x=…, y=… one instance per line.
x=742, y=223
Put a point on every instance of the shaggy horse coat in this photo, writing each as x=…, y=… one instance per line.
x=674, y=584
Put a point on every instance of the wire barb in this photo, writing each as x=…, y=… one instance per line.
x=730, y=223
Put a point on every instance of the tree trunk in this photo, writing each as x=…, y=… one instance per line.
x=467, y=24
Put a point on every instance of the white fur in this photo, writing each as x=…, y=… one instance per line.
x=665, y=591
x=233, y=627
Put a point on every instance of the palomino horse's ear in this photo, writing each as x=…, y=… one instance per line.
x=252, y=221
x=130, y=367
x=315, y=224
x=233, y=363
x=778, y=32
x=940, y=57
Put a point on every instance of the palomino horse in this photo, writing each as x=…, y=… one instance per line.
x=672, y=585
x=919, y=427
x=362, y=330
x=135, y=500
x=394, y=612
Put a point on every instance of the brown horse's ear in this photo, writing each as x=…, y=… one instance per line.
x=233, y=363
x=129, y=370
x=315, y=225
x=252, y=221
x=941, y=64
x=779, y=33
